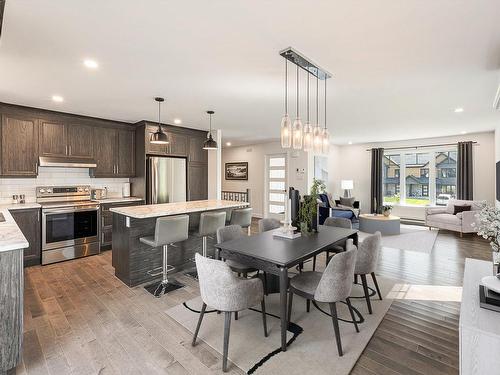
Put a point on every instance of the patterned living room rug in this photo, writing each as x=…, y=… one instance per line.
x=412, y=238
x=312, y=346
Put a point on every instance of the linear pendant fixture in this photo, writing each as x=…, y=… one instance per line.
x=307, y=137
x=210, y=144
x=159, y=137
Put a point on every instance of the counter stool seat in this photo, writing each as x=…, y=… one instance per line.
x=167, y=231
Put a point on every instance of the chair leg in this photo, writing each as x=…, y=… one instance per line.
x=367, y=294
x=264, y=321
x=333, y=311
x=227, y=327
x=314, y=263
x=376, y=285
x=236, y=315
x=308, y=305
x=355, y=279
x=327, y=258
x=202, y=313
x=290, y=302
x=352, y=314
x=265, y=283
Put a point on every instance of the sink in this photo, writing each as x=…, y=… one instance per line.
x=2, y=219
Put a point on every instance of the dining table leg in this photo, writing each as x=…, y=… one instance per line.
x=283, y=305
x=217, y=254
x=355, y=239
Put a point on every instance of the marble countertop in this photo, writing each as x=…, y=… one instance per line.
x=118, y=200
x=11, y=237
x=168, y=209
x=19, y=206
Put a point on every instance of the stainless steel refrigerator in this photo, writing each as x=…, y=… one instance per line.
x=166, y=180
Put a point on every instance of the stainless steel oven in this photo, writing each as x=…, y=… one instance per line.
x=70, y=223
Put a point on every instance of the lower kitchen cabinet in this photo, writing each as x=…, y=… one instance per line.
x=28, y=220
x=107, y=221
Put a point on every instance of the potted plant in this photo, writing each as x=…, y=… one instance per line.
x=386, y=210
x=308, y=210
x=489, y=229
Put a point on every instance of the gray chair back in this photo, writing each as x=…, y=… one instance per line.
x=336, y=282
x=210, y=222
x=268, y=224
x=229, y=233
x=171, y=229
x=241, y=217
x=368, y=252
x=340, y=222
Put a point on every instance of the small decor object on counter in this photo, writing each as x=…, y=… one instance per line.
x=237, y=171
x=287, y=230
x=489, y=229
x=15, y=199
x=22, y=198
x=308, y=211
x=386, y=210
x=126, y=189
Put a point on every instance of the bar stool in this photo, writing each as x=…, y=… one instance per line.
x=242, y=217
x=167, y=231
x=209, y=223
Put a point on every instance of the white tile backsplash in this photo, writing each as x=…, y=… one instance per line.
x=54, y=176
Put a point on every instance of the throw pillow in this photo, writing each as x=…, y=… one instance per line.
x=331, y=202
x=349, y=202
x=458, y=209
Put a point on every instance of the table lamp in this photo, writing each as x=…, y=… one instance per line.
x=347, y=186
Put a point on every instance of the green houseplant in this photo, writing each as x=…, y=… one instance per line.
x=307, y=218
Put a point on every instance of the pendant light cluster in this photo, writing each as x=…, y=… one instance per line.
x=307, y=137
x=159, y=137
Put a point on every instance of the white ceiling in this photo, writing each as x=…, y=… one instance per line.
x=400, y=67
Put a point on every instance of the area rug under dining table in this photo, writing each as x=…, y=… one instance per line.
x=311, y=341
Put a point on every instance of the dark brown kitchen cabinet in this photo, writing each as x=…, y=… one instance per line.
x=19, y=146
x=152, y=148
x=196, y=151
x=107, y=221
x=114, y=153
x=28, y=220
x=65, y=140
x=178, y=145
x=197, y=181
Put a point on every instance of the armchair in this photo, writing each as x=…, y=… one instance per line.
x=462, y=222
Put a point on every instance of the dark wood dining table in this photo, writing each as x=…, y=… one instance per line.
x=276, y=256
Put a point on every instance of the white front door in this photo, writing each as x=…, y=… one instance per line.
x=276, y=186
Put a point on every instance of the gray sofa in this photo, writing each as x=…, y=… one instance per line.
x=462, y=222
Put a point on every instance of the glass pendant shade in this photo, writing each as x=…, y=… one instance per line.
x=317, y=140
x=325, y=148
x=286, y=131
x=308, y=137
x=297, y=134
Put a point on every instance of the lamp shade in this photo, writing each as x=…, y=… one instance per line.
x=347, y=184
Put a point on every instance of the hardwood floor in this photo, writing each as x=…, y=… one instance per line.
x=80, y=319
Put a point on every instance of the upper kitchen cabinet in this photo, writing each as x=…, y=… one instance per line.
x=178, y=145
x=196, y=152
x=65, y=140
x=178, y=142
x=114, y=152
x=19, y=146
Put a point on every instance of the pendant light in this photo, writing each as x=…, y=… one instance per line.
x=159, y=137
x=325, y=135
x=308, y=130
x=317, y=139
x=286, y=124
x=297, y=123
x=210, y=144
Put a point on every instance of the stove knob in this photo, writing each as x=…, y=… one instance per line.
x=49, y=191
x=86, y=190
x=42, y=191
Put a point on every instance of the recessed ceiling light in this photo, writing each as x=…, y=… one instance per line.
x=177, y=121
x=463, y=132
x=91, y=64
x=228, y=143
x=350, y=142
x=459, y=110
x=57, y=98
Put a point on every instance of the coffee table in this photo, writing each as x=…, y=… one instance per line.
x=371, y=223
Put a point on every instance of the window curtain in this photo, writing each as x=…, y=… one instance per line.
x=465, y=179
x=376, y=182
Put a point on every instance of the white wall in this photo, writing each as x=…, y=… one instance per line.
x=353, y=162
x=255, y=155
x=52, y=176
x=497, y=151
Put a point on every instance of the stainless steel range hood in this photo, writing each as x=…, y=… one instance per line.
x=68, y=162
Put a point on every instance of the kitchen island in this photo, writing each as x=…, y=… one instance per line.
x=132, y=259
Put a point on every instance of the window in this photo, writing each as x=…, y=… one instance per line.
x=424, y=175
x=321, y=168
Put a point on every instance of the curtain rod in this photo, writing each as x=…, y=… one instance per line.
x=424, y=146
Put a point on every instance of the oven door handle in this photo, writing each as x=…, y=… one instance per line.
x=69, y=210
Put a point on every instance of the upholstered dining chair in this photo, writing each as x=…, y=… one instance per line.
x=366, y=263
x=222, y=290
x=268, y=224
x=331, y=286
x=338, y=222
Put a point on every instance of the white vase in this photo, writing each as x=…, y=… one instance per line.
x=495, y=255
x=387, y=213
